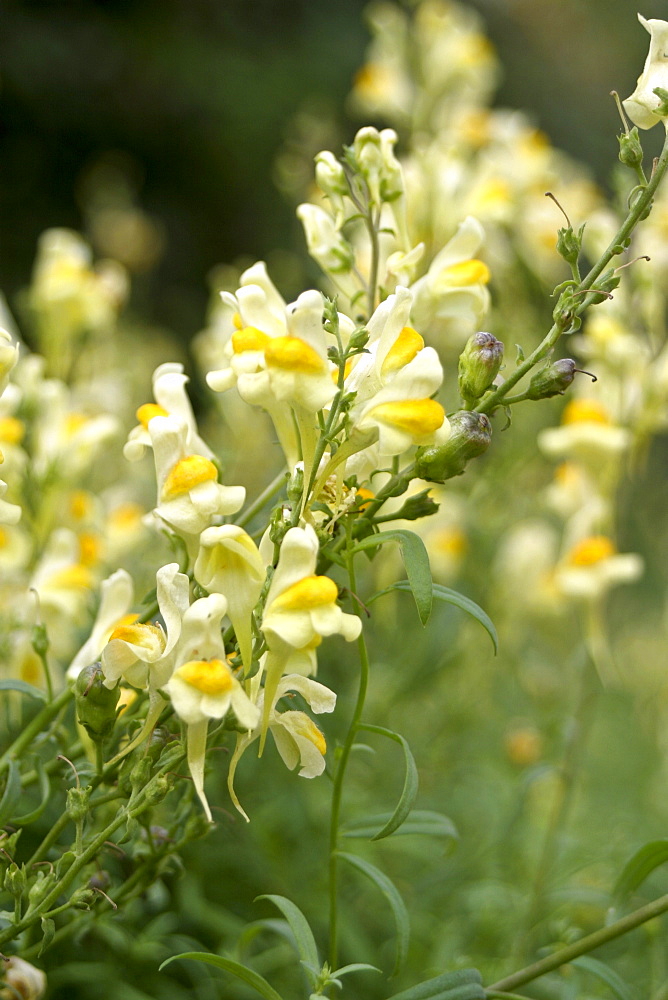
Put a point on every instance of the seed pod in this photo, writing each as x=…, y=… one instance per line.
x=479, y=364
x=96, y=703
x=470, y=436
x=552, y=380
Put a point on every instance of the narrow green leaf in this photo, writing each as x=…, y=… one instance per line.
x=11, y=794
x=45, y=792
x=606, y=974
x=464, y=984
x=29, y=689
x=449, y=597
x=249, y=976
x=419, y=821
x=395, y=902
x=355, y=967
x=408, y=792
x=416, y=561
x=636, y=870
x=299, y=925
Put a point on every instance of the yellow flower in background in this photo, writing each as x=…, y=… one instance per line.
x=593, y=565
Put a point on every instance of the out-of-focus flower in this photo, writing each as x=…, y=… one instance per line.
x=298, y=739
x=453, y=295
x=9, y=355
x=22, y=980
x=643, y=105
x=587, y=432
x=593, y=566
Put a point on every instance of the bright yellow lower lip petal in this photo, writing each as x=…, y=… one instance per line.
x=138, y=635
x=463, y=274
x=208, y=676
x=249, y=339
x=417, y=417
x=75, y=577
x=12, y=430
x=311, y=592
x=403, y=350
x=148, y=411
x=188, y=473
x=293, y=354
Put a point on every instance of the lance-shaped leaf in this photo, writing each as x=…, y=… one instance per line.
x=419, y=821
x=639, y=867
x=464, y=984
x=242, y=972
x=416, y=561
x=29, y=689
x=449, y=597
x=306, y=946
x=408, y=792
x=395, y=902
x=607, y=975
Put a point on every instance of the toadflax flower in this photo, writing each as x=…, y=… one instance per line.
x=300, y=608
x=229, y=563
x=189, y=494
x=643, y=105
x=203, y=686
x=297, y=738
x=593, y=565
x=171, y=399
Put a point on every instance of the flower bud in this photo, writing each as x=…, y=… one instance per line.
x=470, y=436
x=40, y=888
x=479, y=364
x=83, y=899
x=552, y=380
x=15, y=880
x=569, y=244
x=418, y=506
x=77, y=803
x=96, y=704
x=330, y=175
x=630, y=150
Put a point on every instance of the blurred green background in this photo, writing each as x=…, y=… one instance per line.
x=183, y=105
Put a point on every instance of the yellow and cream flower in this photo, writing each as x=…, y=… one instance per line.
x=298, y=740
x=140, y=652
x=203, y=685
x=587, y=433
x=453, y=293
x=593, y=565
x=189, y=494
x=171, y=399
x=116, y=596
x=230, y=563
x=643, y=105
x=300, y=610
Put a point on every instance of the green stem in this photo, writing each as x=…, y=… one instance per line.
x=583, y=946
x=372, y=228
x=265, y=496
x=642, y=203
x=339, y=778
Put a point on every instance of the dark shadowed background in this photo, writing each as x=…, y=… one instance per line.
x=185, y=104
